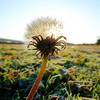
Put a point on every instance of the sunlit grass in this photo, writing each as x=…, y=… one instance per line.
x=77, y=67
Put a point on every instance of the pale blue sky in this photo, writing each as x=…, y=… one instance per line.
x=81, y=18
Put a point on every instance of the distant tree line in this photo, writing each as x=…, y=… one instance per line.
x=10, y=41
x=98, y=42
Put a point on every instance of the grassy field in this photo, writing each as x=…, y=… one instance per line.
x=74, y=74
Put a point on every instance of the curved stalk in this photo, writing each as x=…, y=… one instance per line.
x=38, y=80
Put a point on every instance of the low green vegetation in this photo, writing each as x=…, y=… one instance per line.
x=74, y=74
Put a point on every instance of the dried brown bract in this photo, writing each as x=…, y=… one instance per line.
x=47, y=46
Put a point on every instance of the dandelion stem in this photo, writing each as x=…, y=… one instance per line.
x=38, y=80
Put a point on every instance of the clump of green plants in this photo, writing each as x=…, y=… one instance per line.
x=63, y=79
